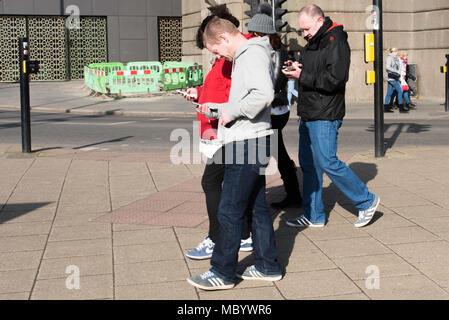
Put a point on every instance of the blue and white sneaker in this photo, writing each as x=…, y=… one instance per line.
x=303, y=222
x=365, y=216
x=251, y=273
x=246, y=245
x=210, y=281
x=203, y=251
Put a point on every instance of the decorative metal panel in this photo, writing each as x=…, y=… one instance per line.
x=170, y=39
x=88, y=44
x=11, y=29
x=48, y=44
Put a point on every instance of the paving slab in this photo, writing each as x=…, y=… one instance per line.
x=388, y=265
x=25, y=229
x=15, y=296
x=264, y=293
x=176, y=290
x=24, y=243
x=164, y=251
x=422, y=212
x=410, y=287
x=91, y=287
x=17, y=281
x=85, y=232
x=77, y=248
x=21, y=260
x=145, y=236
x=316, y=284
x=88, y=266
x=150, y=272
x=340, y=248
x=402, y=235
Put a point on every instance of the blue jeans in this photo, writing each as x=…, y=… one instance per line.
x=393, y=85
x=405, y=95
x=318, y=155
x=291, y=91
x=244, y=187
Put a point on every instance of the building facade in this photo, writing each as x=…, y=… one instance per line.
x=421, y=28
x=109, y=31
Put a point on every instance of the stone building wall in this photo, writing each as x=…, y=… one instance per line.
x=419, y=27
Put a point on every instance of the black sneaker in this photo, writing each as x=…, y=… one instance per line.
x=388, y=108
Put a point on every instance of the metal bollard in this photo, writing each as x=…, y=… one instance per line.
x=27, y=67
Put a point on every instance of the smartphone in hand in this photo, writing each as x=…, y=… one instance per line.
x=185, y=93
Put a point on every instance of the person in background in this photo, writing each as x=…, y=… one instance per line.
x=404, y=75
x=291, y=82
x=393, y=68
x=215, y=89
x=262, y=25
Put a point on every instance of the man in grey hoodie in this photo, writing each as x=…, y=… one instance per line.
x=245, y=129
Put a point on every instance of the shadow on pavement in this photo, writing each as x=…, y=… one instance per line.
x=398, y=129
x=13, y=211
x=103, y=142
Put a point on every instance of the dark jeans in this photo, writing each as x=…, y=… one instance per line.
x=211, y=182
x=286, y=166
x=244, y=187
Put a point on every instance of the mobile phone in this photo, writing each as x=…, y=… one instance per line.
x=185, y=93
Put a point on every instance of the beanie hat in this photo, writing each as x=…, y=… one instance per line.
x=261, y=23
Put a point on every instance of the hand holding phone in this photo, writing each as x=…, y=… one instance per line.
x=185, y=93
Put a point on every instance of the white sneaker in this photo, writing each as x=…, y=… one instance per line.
x=365, y=216
x=246, y=245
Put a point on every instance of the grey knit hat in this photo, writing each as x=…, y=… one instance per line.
x=261, y=23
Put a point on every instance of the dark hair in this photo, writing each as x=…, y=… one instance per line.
x=275, y=39
x=220, y=11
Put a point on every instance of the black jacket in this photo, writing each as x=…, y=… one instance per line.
x=322, y=84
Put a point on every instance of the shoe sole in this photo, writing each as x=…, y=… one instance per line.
x=261, y=279
x=365, y=223
x=199, y=258
x=309, y=226
x=246, y=249
x=229, y=286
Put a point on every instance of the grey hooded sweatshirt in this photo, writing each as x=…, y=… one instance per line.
x=392, y=64
x=251, y=94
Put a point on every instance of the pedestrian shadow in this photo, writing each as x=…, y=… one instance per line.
x=103, y=142
x=398, y=129
x=13, y=211
x=286, y=236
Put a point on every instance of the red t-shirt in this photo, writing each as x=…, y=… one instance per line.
x=216, y=90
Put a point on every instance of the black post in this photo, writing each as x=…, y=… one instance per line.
x=24, y=57
x=446, y=106
x=379, y=84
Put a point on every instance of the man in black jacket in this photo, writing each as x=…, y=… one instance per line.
x=322, y=71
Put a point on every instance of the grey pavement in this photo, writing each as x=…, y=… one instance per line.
x=91, y=224
x=122, y=222
x=72, y=97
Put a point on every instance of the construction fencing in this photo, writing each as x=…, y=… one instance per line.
x=142, y=77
